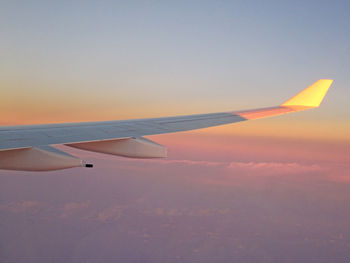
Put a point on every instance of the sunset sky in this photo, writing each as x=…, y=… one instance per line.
x=72, y=61
x=82, y=61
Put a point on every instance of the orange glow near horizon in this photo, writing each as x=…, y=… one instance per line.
x=274, y=127
x=48, y=106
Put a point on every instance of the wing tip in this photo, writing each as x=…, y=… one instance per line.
x=312, y=96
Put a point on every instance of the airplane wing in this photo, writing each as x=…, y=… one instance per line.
x=29, y=147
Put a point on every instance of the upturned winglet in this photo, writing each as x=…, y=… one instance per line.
x=312, y=96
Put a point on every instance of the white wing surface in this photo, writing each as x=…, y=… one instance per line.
x=27, y=147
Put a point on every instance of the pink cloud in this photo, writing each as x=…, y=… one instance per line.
x=273, y=168
x=191, y=155
x=72, y=208
x=19, y=207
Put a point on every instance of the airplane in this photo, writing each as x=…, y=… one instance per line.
x=31, y=147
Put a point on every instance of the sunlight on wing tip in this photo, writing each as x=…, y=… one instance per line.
x=312, y=96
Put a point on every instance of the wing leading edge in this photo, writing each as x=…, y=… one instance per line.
x=88, y=135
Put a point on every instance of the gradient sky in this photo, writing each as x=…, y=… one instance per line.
x=272, y=190
x=83, y=60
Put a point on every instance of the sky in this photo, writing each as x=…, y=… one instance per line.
x=271, y=190
x=82, y=61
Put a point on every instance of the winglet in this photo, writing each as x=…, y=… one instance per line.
x=312, y=96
